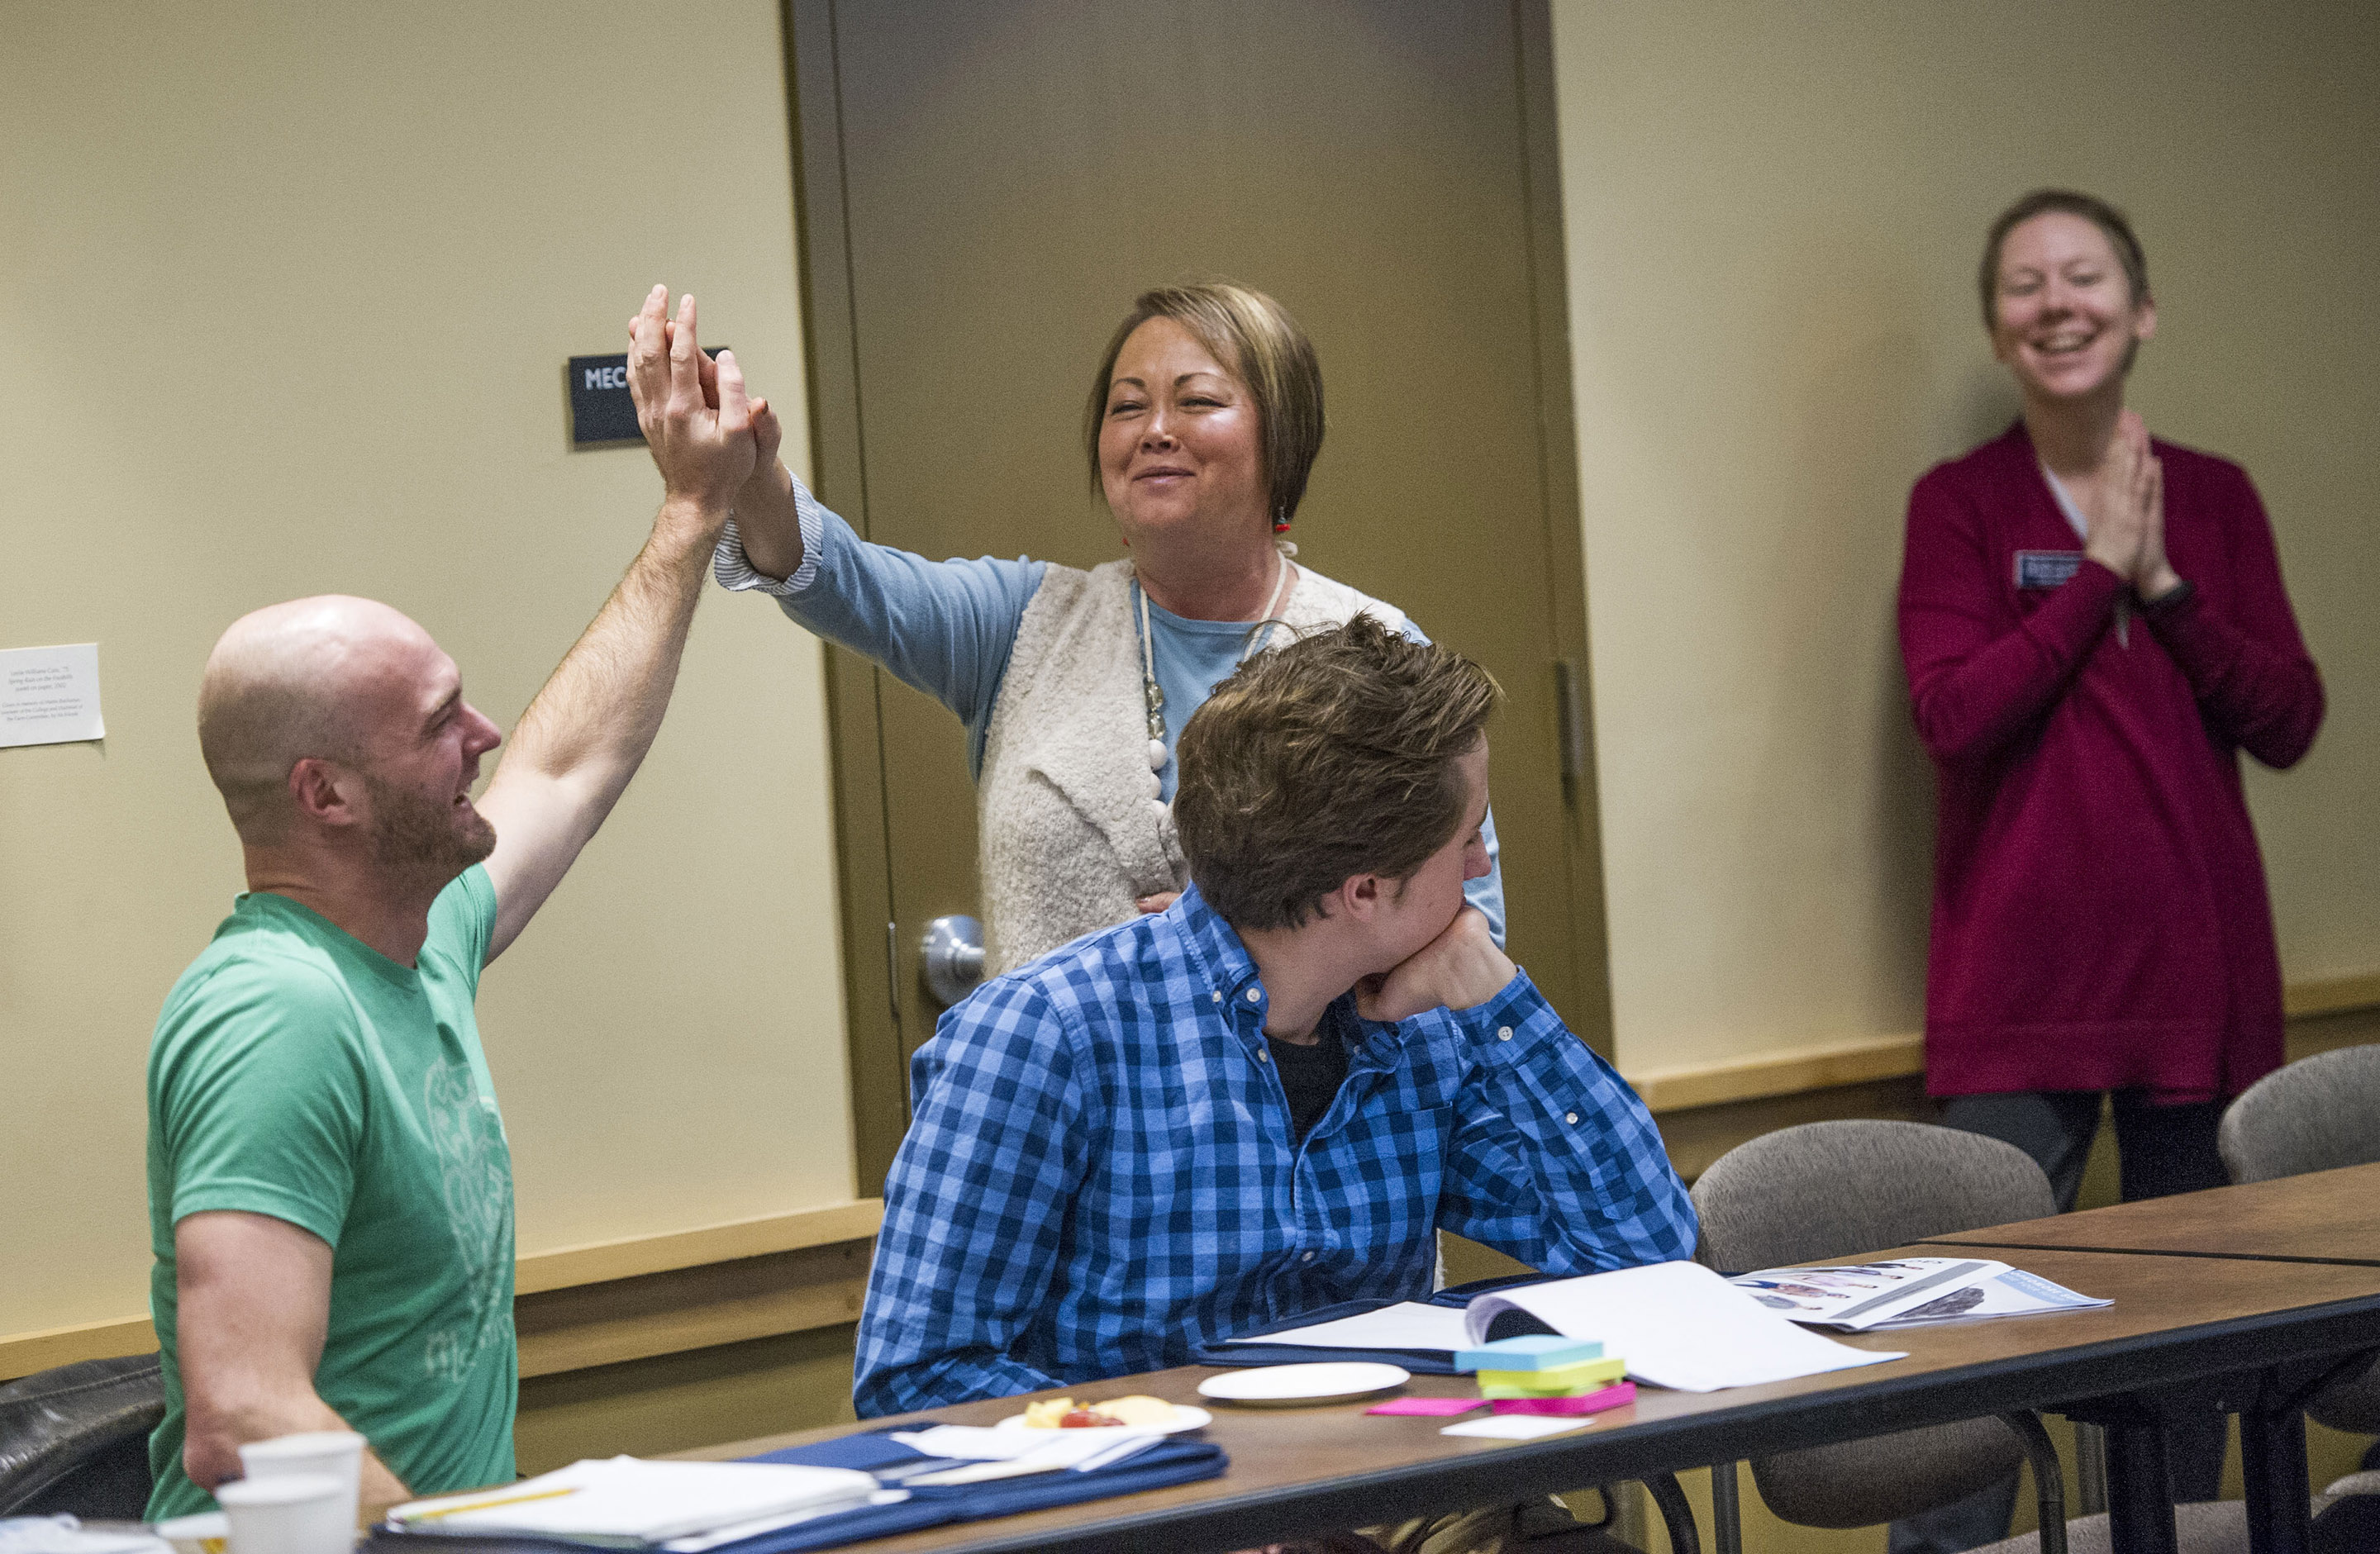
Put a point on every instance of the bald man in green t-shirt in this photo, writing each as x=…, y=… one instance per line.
x=330, y=1191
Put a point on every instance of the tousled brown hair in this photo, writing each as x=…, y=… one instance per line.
x=2072, y=202
x=1330, y=757
x=1257, y=341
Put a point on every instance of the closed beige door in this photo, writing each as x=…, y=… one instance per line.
x=984, y=188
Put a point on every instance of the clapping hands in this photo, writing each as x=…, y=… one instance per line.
x=2127, y=521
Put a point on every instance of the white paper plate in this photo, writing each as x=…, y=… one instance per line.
x=1186, y=1417
x=206, y=1532
x=1326, y=1381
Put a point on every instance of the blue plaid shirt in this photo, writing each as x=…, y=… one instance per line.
x=1101, y=1172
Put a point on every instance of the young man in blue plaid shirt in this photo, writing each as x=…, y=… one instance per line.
x=1270, y=1096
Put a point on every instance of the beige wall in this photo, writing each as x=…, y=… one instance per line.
x=1773, y=213
x=285, y=296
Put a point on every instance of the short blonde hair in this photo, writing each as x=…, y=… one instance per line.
x=1261, y=346
x=2110, y=222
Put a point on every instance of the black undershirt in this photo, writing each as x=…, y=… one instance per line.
x=1310, y=1076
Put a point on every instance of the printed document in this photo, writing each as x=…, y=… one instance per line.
x=50, y=695
x=1907, y=1291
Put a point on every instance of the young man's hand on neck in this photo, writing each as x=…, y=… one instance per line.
x=1462, y=969
x=1359, y=935
x=1304, y=969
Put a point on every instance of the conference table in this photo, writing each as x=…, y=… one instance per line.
x=2323, y=1217
x=2244, y=1334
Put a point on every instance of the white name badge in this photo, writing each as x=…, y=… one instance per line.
x=2046, y=569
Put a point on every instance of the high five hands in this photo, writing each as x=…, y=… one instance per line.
x=700, y=427
x=1462, y=969
x=764, y=504
x=2127, y=520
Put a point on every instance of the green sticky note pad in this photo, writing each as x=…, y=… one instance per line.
x=1565, y=1381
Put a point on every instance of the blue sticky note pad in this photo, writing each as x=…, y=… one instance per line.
x=1530, y=1352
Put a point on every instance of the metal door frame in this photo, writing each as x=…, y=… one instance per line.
x=880, y=993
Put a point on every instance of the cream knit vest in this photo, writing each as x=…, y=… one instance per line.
x=1073, y=829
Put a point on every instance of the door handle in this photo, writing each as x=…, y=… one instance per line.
x=953, y=953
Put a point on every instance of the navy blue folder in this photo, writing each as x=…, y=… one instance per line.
x=1240, y=1351
x=1169, y=1462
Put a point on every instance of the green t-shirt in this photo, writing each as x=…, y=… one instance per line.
x=297, y=1072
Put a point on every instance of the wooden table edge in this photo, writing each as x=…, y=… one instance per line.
x=2152, y=1251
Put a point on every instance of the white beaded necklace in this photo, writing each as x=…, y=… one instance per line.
x=1154, y=696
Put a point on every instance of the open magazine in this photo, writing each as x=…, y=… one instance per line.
x=1906, y=1292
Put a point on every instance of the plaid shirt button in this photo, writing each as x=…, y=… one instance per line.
x=1503, y=1033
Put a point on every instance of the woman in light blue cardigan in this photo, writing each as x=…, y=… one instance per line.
x=1204, y=419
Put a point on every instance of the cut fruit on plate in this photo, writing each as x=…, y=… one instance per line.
x=1288, y=1386
x=1178, y=1418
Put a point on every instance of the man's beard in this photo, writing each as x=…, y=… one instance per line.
x=415, y=835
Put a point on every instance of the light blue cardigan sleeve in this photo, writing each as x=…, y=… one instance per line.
x=944, y=628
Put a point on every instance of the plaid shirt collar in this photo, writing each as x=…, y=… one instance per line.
x=1237, y=986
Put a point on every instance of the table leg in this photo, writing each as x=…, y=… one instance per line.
x=1727, y=1508
x=2273, y=1458
x=2090, y=1469
x=2139, y=1488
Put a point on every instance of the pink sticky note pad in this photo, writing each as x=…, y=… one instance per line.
x=1434, y=1408
x=1613, y=1396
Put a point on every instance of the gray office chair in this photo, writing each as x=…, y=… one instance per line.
x=2346, y=1515
x=2343, y=1524
x=2319, y=1113
x=1834, y=1189
x=76, y=1439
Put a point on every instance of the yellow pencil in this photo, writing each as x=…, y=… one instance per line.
x=489, y=1505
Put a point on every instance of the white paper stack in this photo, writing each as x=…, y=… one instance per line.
x=628, y=1502
x=1678, y=1325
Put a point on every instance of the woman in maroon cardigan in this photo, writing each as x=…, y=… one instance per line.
x=2094, y=626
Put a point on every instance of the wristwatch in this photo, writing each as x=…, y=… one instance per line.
x=2172, y=598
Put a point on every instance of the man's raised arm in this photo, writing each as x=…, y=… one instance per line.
x=587, y=732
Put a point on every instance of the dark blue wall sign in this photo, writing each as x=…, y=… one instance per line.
x=601, y=410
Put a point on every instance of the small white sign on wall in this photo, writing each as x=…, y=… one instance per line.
x=50, y=695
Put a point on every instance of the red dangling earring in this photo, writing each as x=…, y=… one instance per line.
x=1281, y=525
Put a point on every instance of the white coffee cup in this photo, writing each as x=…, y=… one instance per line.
x=292, y=1514
x=335, y=1454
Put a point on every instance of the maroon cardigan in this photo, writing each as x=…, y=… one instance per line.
x=2100, y=916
